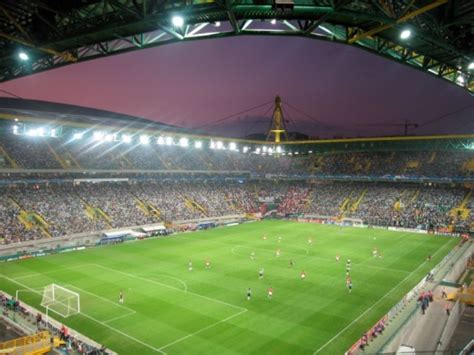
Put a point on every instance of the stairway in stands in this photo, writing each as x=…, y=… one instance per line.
x=31, y=219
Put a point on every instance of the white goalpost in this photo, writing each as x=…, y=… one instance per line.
x=61, y=301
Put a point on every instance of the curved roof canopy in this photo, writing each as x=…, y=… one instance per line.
x=51, y=33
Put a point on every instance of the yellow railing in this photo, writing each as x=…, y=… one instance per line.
x=38, y=343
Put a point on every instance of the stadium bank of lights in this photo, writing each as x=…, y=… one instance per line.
x=273, y=21
x=470, y=66
x=183, y=142
x=233, y=146
x=77, y=135
x=198, y=144
x=405, y=34
x=126, y=138
x=144, y=139
x=169, y=140
x=177, y=21
x=23, y=56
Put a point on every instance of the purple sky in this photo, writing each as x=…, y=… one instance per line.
x=191, y=84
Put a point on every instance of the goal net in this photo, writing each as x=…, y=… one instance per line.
x=60, y=300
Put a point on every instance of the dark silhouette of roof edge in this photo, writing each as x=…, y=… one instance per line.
x=75, y=113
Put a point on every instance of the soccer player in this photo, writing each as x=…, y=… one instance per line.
x=260, y=273
x=270, y=292
x=374, y=252
x=303, y=275
x=190, y=265
x=337, y=257
x=277, y=252
x=310, y=241
x=207, y=263
x=264, y=237
x=349, y=286
x=252, y=255
x=249, y=294
x=291, y=263
x=279, y=239
x=121, y=297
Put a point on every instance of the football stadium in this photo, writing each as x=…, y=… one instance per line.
x=121, y=234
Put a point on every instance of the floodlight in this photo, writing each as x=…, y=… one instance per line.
x=16, y=119
x=232, y=146
x=109, y=137
x=257, y=151
x=270, y=150
x=23, y=56
x=169, y=140
x=160, y=140
x=32, y=133
x=212, y=145
x=177, y=21
x=460, y=80
x=126, y=138
x=273, y=21
x=98, y=136
x=310, y=152
x=264, y=149
x=470, y=66
x=183, y=142
x=405, y=34
x=219, y=145
x=198, y=144
x=40, y=131
x=245, y=149
x=144, y=139
x=278, y=149
x=77, y=135
x=296, y=153
x=15, y=129
x=217, y=23
x=53, y=132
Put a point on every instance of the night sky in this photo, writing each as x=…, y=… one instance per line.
x=337, y=89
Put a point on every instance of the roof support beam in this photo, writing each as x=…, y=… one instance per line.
x=66, y=55
x=231, y=15
x=402, y=19
x=17, y=25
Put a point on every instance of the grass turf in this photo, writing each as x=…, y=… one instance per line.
x=169, y=309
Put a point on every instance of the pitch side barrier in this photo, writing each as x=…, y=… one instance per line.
x=80, y=241
x=400, y=322
x=26, y=315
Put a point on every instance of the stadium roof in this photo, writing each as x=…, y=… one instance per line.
x=53, y=33
x=68, y=114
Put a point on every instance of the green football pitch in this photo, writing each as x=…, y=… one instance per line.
x=170, y=309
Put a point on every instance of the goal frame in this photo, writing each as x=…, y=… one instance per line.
x=52, y=300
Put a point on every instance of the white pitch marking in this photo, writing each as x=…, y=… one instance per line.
x=51, y=272
x=169, y=286
x=131, y=311
x=95, y=320
x=376, y=303
x=173, y=278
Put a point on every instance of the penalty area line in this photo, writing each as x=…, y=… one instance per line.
x=169, y=286
x=376, y=303
x=92, y=318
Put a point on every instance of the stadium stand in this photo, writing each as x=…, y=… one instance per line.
x=68, y=209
